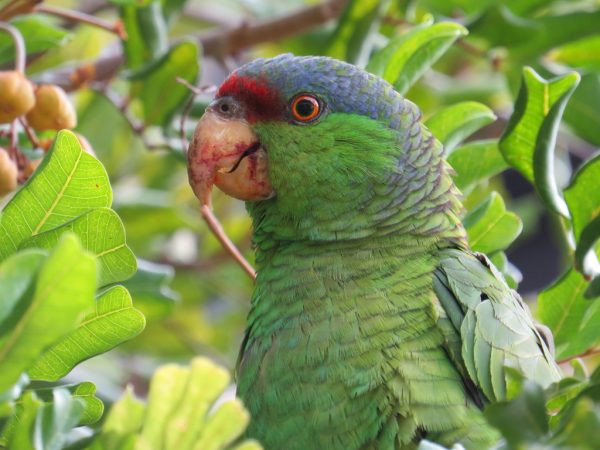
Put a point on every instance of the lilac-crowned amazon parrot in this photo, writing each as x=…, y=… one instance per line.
x=372, y=324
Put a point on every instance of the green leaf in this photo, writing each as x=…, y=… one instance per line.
x=150, y=289
x=39, y=35
x=93, y=406
x=146, y=32
x=166, y=391
x=180, y=61
x=408, y=56
x=122, y=423
x=69, y=274
x=527, y=410
x=455, y=123
x=582, y=113
x=476, y=161
x=490, y=227
x=68, y=183
x=55, y=420
x=351, y=40
x=205, y=383
x=572, y=318
x=102, y=233
x=527, y=38
x=19, y=430
x=583, y=199
x=582, y=54
x=528, y=141
x=113, y=322
x=17, y=276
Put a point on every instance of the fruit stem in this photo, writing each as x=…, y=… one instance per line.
x=29, y=132
x=17, y=38
x=77, y=16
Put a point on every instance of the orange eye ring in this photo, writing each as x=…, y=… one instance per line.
x=305, y=108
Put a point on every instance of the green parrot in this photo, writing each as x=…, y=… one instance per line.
x=373, y=325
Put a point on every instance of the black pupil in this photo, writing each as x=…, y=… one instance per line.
x=305, y=108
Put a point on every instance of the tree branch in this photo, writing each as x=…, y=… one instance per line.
x=592, y=351
x=218, y=44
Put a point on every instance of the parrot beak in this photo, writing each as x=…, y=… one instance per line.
x=227, y=153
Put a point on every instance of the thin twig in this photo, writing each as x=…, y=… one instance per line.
x=590, y=352
x=81, y=17
x=215, y=227
x=20, y=52
x=29, y=132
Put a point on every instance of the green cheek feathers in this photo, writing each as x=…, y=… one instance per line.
x=333, y=162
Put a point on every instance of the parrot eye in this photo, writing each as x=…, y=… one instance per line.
x=305, y=108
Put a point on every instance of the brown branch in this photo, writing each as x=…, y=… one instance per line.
x=590, y=352
x=81, y=17
x=221, y=43
x=218, y=44
x=17, y=7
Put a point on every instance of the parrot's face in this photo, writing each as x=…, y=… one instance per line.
x=295, y=131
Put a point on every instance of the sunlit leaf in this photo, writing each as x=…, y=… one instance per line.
x=476, y=161
x=69, y=272
x=47, y=199
x=490, y=227
x=113, y=321
x=122, y=423
x=93, y=406
x=572, y=318
x=408, y=56
x=582, y=54
x=454, y=123
x=530, y=136
x=101, y=232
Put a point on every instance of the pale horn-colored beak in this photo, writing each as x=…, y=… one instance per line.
x=227, y=153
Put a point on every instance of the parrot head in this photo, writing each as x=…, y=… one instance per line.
x=308, y=141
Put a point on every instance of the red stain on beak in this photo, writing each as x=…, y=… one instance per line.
x=227, y=153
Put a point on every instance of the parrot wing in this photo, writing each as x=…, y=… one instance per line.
x=487, y=327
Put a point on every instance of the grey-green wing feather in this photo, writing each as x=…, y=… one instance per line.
x=486, y=325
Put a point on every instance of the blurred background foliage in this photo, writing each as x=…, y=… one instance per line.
x=135, y=107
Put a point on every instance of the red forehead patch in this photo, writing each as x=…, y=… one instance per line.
x=261, y=101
